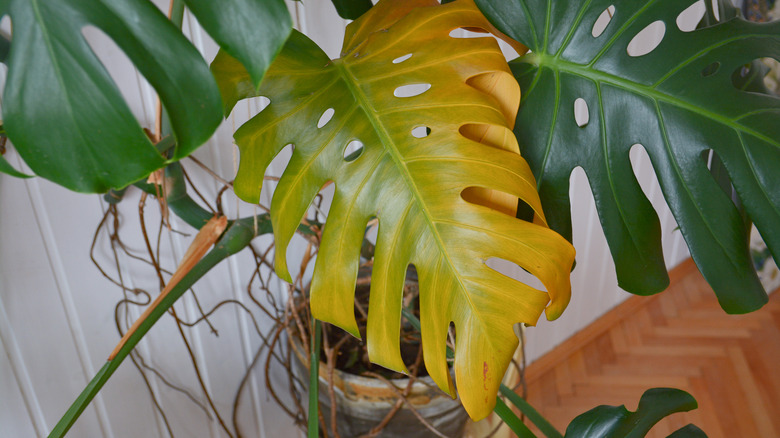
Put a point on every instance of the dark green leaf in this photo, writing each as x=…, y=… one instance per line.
x=252, y=31
x=618, y=422
x=5, y=47
x=352, y=9
x=64, y=114
x=234, y=81
x=5, y=167
x=677, y=101
x=688, y=431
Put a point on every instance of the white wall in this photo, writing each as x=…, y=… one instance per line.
x=56, y=311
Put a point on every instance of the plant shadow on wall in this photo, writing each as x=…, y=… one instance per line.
x=427, y=135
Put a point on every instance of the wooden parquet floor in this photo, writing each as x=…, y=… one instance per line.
x=679, y=338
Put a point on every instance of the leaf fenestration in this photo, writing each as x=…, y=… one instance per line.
x=678, y=101
x=445, y=199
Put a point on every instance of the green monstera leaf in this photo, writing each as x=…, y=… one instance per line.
x=67, y=118
x=679, y=101
x=618, y=422
x=352, y=9
x=439, y=169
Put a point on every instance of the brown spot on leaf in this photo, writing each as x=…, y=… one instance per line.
x=485, y=377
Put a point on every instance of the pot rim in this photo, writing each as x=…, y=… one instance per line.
x=420, y=384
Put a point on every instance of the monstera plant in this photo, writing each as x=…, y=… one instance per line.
x=445, y=202
x=678, y=101
x=414, y=128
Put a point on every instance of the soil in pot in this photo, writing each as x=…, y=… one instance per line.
x=373, y=401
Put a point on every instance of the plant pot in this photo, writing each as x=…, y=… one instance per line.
x=363, y=402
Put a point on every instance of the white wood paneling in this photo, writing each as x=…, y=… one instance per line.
x=19, y=400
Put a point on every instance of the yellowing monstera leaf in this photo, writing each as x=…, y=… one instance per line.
x=440, y=170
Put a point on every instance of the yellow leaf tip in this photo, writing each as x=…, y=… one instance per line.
x=555, y=309
x=284, y=275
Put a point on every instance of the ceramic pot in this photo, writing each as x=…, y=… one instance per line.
x=362, y=403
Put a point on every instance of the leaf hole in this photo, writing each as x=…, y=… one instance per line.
x=326, y=116
x=645, y=175
x=260, y=103
x=320, y=205
x=690, y=18
x=274, y=172
x=353, y=150
x=318, y=210
x=497, y=200
x=411, y=90
x=452, y=336
x=581, y=113
x=502, y=86
x=489, y=135
x=601, y=23
x=370, y=236
x=716, y=9
x=719, y=173
x=750, y=76
x=6, y=26
x=280, y=162
x=514, y=271
x=710, y=69
x=647, y=39
x=476, y=32
x=401, y=59
x=469, y=32
x=421, y=131
x=524, y=211
x=411, y=300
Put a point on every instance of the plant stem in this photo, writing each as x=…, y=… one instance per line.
x=176, y=13
x=536, y=418
x=237, y=237
x=511, y=420
x=314, y=380
x=5, y=47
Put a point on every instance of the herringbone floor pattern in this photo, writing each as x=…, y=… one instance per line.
x=682, y=339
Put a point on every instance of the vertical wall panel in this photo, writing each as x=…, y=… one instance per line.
x=39, y=303
x=19, y=401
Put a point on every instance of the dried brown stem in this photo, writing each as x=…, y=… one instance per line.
x=197, y=192
x=210, y=172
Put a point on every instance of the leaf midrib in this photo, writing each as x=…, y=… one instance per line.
x=352, y=84
x=584, y=71
x=557, y=65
